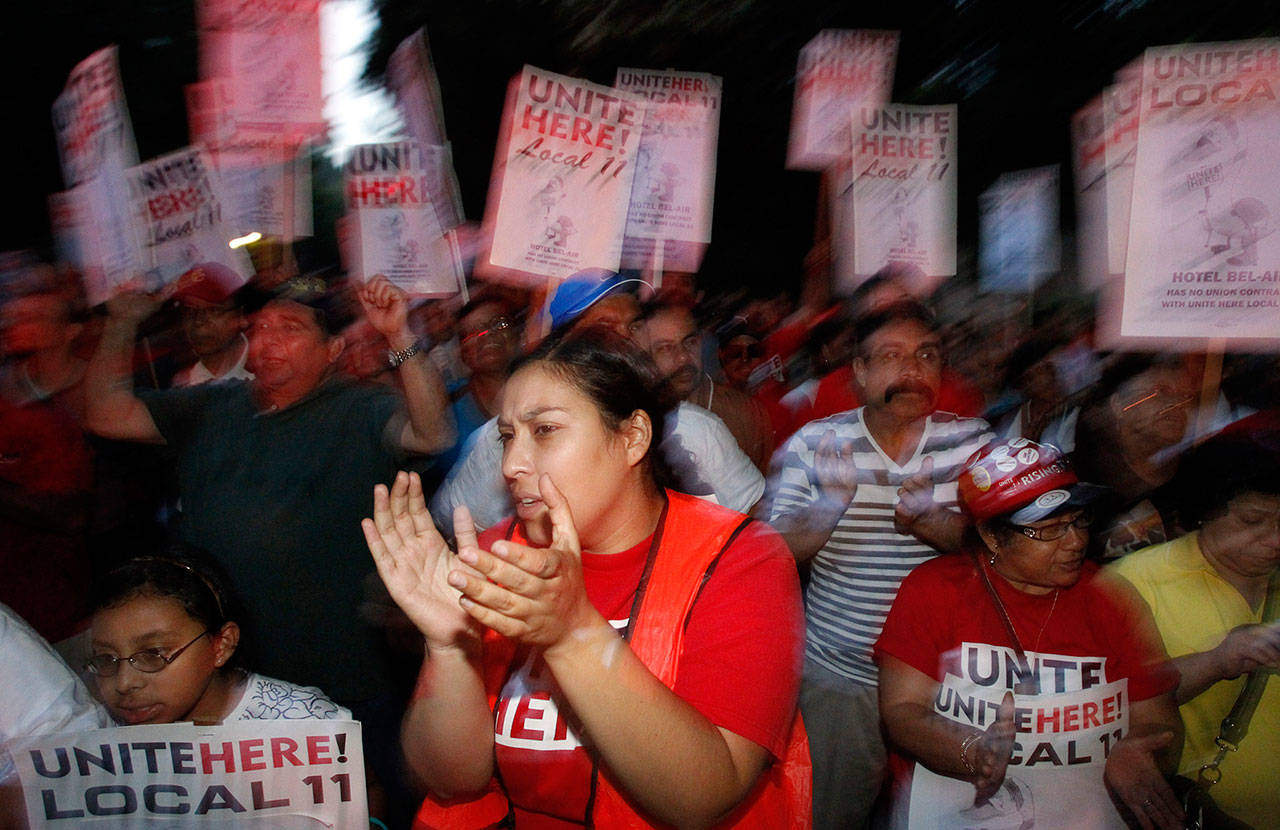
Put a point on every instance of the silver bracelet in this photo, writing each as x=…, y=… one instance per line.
x=397, y=357
x=964, y=751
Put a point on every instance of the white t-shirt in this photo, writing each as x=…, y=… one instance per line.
x=265, y=698
x=39, y=694
x=701, y=451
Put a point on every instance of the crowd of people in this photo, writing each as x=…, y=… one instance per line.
x=628, y=555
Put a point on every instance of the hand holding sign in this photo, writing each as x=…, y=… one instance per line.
x=385, y=305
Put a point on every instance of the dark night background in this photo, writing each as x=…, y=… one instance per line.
x=1017, y=69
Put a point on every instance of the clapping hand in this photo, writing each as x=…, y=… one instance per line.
x=532, y=595
x=414, y=561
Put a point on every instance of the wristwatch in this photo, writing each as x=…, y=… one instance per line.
x=396, y=357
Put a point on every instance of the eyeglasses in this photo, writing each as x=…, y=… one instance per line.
x=1055, y=531
x=496, y=326
x=148, y=660
x=928, y=356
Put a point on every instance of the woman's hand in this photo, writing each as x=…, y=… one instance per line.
x=532, y=595
x=991, y=752
x=414, y=561
x=1136, y=782
x=1248, y=647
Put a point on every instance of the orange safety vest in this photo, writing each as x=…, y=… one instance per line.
x=690, y=539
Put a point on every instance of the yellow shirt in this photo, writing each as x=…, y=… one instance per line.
x=1194, y=609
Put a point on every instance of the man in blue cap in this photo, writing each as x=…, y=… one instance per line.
x=702, y=452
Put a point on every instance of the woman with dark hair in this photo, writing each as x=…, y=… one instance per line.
x=164, y=643
x=1018, y=689
x=1214, y=593
x=620, y=654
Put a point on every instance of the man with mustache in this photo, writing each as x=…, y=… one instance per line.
x=865, y=496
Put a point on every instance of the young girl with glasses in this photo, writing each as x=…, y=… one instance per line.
x=163, y=648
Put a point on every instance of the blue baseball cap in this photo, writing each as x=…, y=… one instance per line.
x=583, y=290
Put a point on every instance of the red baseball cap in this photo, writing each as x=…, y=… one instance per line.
x=209, y=283
x=1021, y=481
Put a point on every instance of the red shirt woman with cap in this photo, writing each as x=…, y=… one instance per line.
x=1016, y=687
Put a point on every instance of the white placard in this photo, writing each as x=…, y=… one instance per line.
x=278, y=774
x=91, y=120
x=269, y=55
x=1089, y=169
x=180, y=216
x=411, y=76
x=1064, y=735
x=1019, y=243
x=394, y=230
x=1120, y=116
x=562, y=177
x=839, y=71
x=674, y=188
x=903, y=180
x=1203, y=259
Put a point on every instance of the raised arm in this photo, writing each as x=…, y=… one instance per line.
x=1243, y=649
x=447, y=732
x=430, y=428
x=678, y=766
x=112, y=409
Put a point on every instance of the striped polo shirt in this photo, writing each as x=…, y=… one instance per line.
x=855, y=576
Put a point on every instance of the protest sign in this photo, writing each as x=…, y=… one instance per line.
x=394, y=229
x=562, y=179
x=903, y=191
x=1120, y=118
x=1089, y=169
x=669, y=218
x=411, y=76
x=279, y=773
x=1019, y=244
x=180, y=216
x=839, y=71
x=91, y=121
x=1203, y=261
x=265, y=174
x=1065, y=733
x=269, y=55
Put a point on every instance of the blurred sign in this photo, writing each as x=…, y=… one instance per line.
x=411, y=76
x=279, y=773
x=180, y=216
x=392, y=228
x=675, y=179
x=91, y=121
x=1120, y=118
x=1019, y=243
x=1203, y=258
x=902, y=184
x=562, y=177
x=839, y=71
x=257, y=166
x=1089, y=169
x=269, y=55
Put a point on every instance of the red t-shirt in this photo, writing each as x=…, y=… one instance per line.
x=740, y=668
x=944, y=623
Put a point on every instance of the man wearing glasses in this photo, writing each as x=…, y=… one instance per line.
x=865, y=496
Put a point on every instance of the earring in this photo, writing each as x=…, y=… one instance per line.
x=992, y=560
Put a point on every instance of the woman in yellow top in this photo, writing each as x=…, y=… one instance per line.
x=1209, y=592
